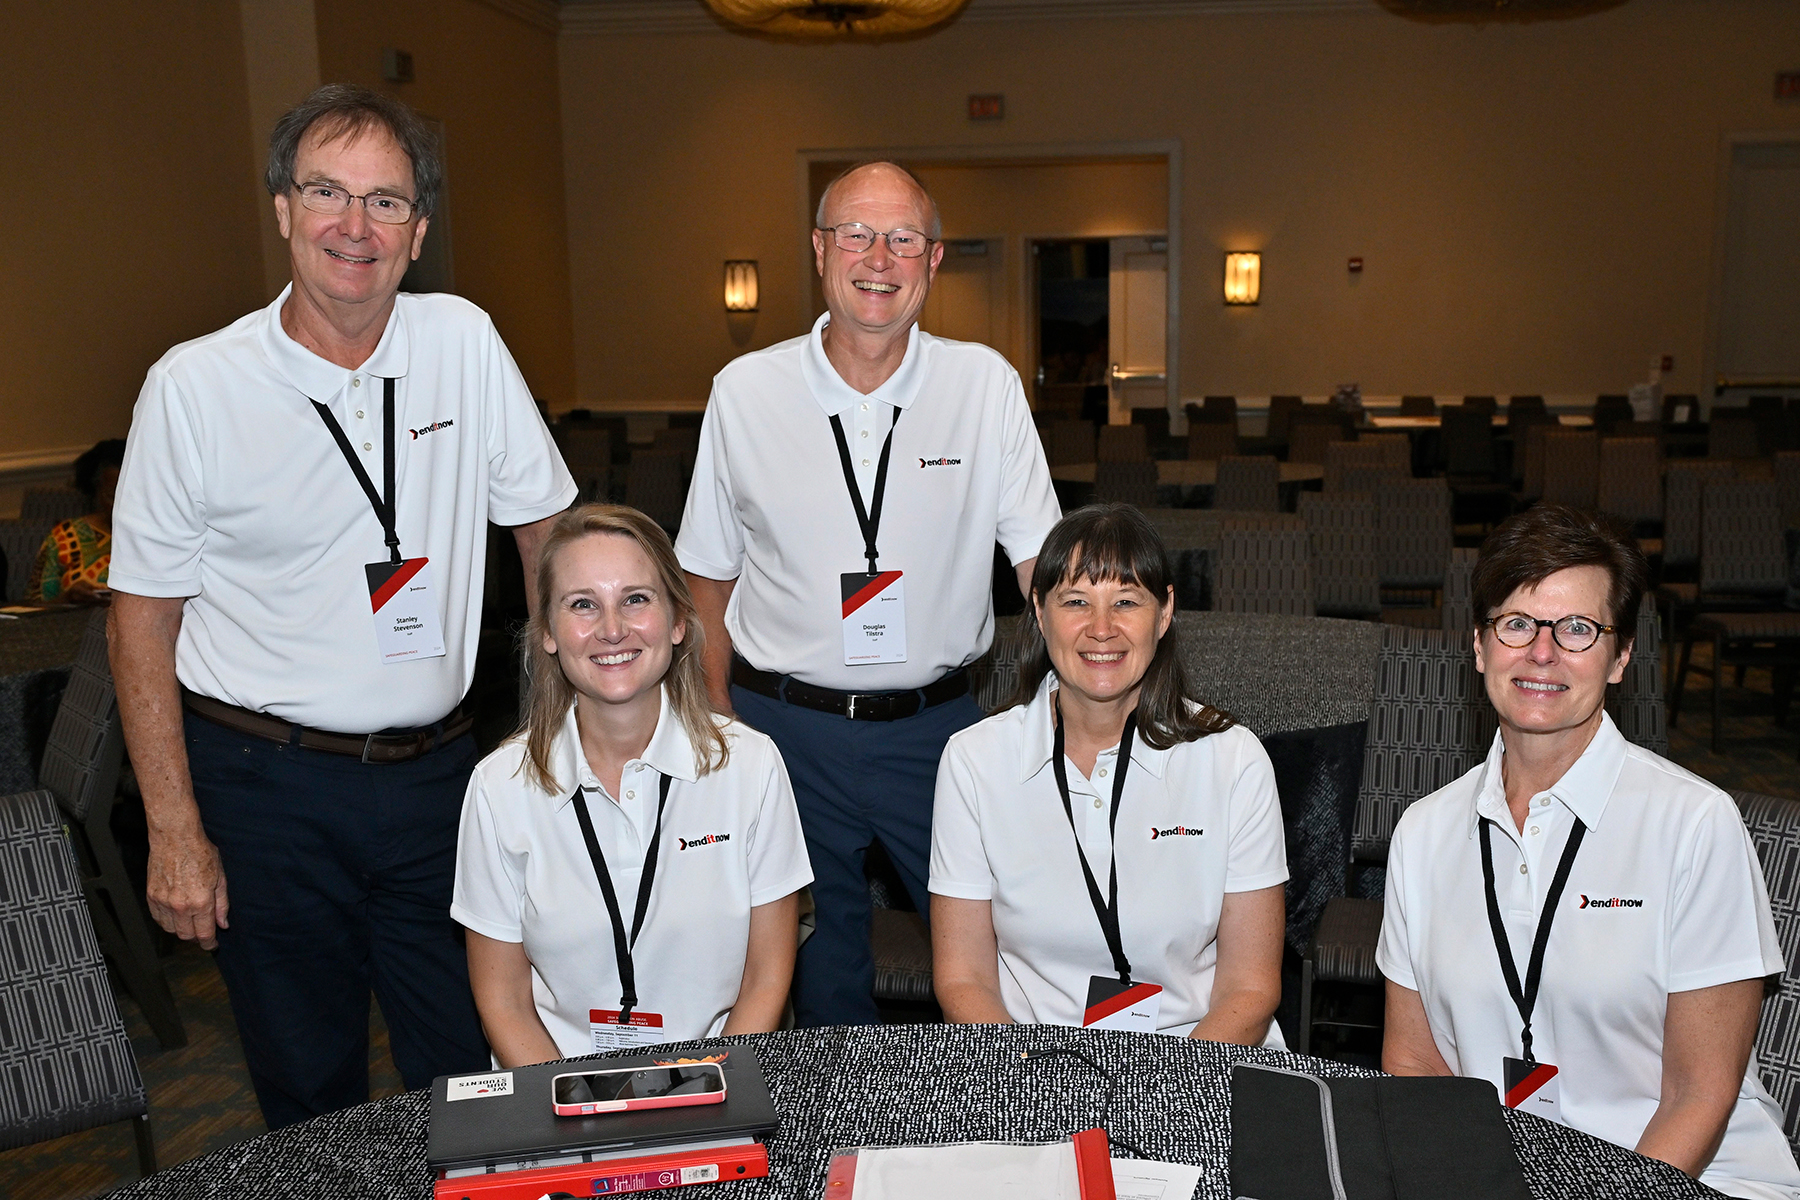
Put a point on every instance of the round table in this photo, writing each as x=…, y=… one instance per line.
x=907, y=1084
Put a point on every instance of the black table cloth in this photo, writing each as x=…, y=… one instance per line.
x=907, y=1084
x=36, y=655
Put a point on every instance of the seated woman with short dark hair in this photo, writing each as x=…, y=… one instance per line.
x=72, y=564
x=1577, y=920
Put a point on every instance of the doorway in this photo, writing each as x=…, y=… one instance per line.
x=1071, y=287
x=1758, y=345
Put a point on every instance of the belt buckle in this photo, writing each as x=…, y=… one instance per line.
x=368, y=744
x=850, y=709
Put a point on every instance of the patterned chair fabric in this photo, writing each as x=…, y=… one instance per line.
x=1307, y=439
x=653, y=486
x=65, y=1062
x=1638, y=703
x=1070, y=442
x=20, y=541
x=1263, y=571
x=1128, y=482
x=1682, y=486
x=82, y=759
x=1343, y=533
x=587, y=451
x=54, y=504
x=1571, y=466
x=1787, y=487
x=1631, y=478
x=1741, y=544
x=1248, y=484
x=1364, y=460
x=1459, y=600
x=1531, y=456
x=1210, y=441
x=1123, y=443
x=1415, y=529
x=901, y=947
x=1281, y=417
x=1774, y=826
x=1344, y=946
x=994, y=675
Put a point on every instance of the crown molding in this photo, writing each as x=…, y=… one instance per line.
x=539, y=14
x=623, y=17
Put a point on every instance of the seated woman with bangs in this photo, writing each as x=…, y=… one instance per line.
x=1108, y=850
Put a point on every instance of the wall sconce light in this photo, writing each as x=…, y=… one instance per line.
x=1243, y=277
x=740, y=285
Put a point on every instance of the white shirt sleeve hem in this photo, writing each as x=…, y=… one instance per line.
x=487, y=929
x=1251, y=883
x=160, y=589
x=962, y=891
x=774, y=892
x=693, y=564
x=1689, y=981
x=509, y=517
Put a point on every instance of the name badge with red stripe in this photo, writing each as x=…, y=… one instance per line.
x=1534, y=1088
x=407, y=625
x=874, y=618
x=1115, y=1005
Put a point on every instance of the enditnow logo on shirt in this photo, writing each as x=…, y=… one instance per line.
x=1175, y=831
x=432, y=428
x=708, y=840
x=942, y=460
x=1610, y=902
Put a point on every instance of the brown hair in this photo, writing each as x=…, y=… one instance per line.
x=344, y=111
x=1548, y=538
x=549, y=693
x=1116, y=542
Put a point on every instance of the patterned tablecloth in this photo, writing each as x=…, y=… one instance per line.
x=908, y=1084
x=36, y=654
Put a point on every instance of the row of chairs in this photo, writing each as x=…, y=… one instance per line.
x=654, y=478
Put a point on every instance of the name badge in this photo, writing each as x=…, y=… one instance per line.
x=640, y=1029
x=405, y=607
x=1115, y=1005
x=1534, y=1088
x=874, y=618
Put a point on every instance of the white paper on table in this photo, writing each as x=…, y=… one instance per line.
x=967, y=1171
x=1141, y=1179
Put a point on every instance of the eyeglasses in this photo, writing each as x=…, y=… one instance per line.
x=1573, y=633
x=858, y=238
x=330, y=199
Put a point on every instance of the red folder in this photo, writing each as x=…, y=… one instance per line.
x=648, y=1172
x=1093, y=1169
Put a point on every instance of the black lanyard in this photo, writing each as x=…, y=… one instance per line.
x=1108, y=909
x=870, y=519
x=383, y=503
x=1525, y=999
x=622, y=946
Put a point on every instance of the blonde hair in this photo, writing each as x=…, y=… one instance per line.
x=548, y=692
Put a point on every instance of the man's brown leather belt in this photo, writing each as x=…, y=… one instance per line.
x=858, y=706
x=398, y=747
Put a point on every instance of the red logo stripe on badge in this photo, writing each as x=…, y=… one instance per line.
x=1525, y=1087
x=1120, y=1002
x=869, y=591
x=387, y=591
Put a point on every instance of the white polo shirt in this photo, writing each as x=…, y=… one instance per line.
x=1197, y=820
x=1665, y=895
x=769, y=506
x=731, y=841
x=235, y=496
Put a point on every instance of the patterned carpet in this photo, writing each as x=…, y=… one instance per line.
x=200, y=1096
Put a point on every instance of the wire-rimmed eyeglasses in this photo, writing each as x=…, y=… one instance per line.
x=858, y=238
x=1573, y=633
x=386, y=207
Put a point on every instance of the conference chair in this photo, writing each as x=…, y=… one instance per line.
x=1131, y=482
x=20, y=541
x=587, y=452
x=1630, y=485
x=1262, y=570
x=1774, y=825
x=54, y=504
x=1123, y=443
x=1281, y=418
x=1211, y=441
x=1418, y=406
x=1070, y=442
x=1343, y=528
x=654, y=485
x=1571, y=466
x=1732, y=433
x=1413, y=518
x=1248, y=484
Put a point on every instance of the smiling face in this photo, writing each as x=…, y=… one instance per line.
x=346, y=258
x=612, y=627
x=1542, y=689
x=1101, y=635
x=874, y=292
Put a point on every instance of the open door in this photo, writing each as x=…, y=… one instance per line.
x=1137, y=334
x=967, y=301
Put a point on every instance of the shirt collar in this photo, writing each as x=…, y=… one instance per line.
x=1584, y=789
x=834, y=395
x=669, y=752
x=1039, y=742
x=318, y=379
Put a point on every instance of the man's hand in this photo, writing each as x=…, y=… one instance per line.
x=186, y=887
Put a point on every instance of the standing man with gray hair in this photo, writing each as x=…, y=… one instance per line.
x=299, y=548
x=839, y=539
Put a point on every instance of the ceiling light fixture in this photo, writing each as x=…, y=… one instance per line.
x=817, y=19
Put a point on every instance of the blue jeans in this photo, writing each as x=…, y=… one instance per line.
x=855, y=781
x=339, y=876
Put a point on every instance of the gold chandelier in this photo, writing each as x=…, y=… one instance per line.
x=821, y=18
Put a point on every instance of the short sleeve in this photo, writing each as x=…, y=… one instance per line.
x=1393, y=952
x=45, y=582
x=159, y=512
x=710, y=542
x=489, y=895
x=527, y=480
x=959, y=863
x=1028, y=507
x=1257, y=854
x=778, y=863
x=1720, y=928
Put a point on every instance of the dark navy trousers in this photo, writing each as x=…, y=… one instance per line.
x=855, y=781
x=339, y=875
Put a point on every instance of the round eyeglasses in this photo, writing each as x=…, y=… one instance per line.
x=330, y=199
x=858, y=238
x=1573, y=633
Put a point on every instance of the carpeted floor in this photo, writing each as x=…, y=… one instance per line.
x=200, y=1096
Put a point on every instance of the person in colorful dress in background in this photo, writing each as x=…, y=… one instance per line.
x=72, y=563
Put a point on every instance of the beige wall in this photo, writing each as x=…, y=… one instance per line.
x=1536, y=204
x=491, y=79
x=128, y=206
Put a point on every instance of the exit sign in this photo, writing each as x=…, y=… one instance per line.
x=1787, y=85
x=987, y=108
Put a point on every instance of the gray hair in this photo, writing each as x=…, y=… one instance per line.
x=935, y=230
x=346, y=111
